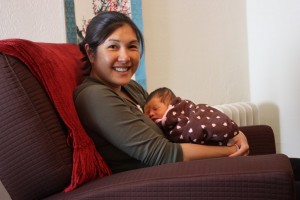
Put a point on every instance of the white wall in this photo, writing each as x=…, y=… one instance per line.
x=41, y=21
x=274, y=60
x=198, y=48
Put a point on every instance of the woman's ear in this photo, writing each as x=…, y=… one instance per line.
x=89, y=53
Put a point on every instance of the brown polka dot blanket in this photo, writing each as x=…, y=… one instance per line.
x=202, y=124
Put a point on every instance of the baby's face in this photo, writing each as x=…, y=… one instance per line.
x=155, y=109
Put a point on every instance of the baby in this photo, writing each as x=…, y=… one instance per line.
x=183, y=121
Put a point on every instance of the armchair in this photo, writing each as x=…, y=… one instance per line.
x=36, y=161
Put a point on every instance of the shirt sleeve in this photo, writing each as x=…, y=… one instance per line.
x=124, y=126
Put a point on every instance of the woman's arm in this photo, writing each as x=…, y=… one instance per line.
x=238, y=146
x=105, y=114
x=196, y=151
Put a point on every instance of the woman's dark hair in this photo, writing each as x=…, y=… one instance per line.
x=166, y=95
x=101, y=27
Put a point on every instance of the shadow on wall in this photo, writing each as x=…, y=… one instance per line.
x=269, y=115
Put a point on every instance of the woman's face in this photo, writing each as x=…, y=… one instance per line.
x=117, y=58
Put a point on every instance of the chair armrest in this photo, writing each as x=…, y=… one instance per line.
x=260, y=138
x=251, y=177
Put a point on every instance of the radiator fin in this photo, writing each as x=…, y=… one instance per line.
x=243, y=113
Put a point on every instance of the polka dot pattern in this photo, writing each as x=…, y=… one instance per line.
x=200, y=123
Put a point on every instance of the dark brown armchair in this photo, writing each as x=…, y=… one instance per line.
x=36, y=162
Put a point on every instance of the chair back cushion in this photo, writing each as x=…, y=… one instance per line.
x=35, y=160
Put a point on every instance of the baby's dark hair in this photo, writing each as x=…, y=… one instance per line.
x=166, y=95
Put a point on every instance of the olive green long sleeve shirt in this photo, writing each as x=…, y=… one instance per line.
x=124, y=136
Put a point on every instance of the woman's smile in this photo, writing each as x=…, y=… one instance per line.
x=121, y=69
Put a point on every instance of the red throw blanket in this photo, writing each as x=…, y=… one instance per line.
x=57, y=67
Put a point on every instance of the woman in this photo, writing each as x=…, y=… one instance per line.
x=109, y=103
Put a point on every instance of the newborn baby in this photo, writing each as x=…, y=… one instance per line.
x=183, y=121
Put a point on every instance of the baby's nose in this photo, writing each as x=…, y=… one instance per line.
x=151, y=113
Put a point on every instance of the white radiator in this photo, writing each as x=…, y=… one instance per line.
x=243, y=113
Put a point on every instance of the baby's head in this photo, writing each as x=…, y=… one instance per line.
x=157, y=102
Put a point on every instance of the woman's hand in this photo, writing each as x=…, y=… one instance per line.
x=240, y=141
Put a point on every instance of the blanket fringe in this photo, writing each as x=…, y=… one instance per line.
x=87, y=165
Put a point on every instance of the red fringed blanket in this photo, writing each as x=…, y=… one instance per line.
x=57, y=67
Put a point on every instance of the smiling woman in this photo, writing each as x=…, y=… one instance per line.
x=116, y=59
x=109, y=102
x=79, y=14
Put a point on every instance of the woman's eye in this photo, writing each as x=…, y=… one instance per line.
x=133, y=47
x=112, y=47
